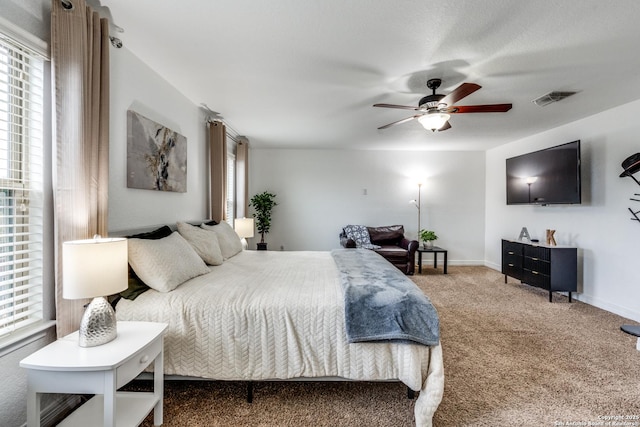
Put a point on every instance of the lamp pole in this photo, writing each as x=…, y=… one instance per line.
x=419, y=204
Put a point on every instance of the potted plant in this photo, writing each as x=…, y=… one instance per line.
x=427, y=237
x=263, y=203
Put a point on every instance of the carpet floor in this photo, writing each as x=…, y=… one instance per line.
x=510, y=358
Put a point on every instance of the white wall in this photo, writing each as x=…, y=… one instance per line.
x=320, y=191
x=137, y=87
x=600, y=227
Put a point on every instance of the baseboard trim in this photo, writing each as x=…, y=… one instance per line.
x=612, y=308
x=426, y=262
x=493, y=265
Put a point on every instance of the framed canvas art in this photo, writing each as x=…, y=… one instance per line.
x=156, y=155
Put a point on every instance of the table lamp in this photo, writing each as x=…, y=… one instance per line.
x=95, y=268
x=244, y=229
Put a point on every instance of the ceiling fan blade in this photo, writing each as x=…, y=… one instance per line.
x=404, y=107
x=465, y=89
x=491, y=108
x=406, y=119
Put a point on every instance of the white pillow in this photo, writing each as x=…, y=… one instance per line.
x=205, y=242
x=229, y=241
x=166, y=263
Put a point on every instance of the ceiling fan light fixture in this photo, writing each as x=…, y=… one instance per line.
x=433, y=120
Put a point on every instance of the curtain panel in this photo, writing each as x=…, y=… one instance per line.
x=80, y=68
x=217, y=171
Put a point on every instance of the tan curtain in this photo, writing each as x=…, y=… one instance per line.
x=80, y=67
x=242, y=177
x=217, y=170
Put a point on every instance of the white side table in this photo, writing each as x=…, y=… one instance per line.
x=65, y=367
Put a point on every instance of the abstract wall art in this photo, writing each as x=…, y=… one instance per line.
x=156, y=156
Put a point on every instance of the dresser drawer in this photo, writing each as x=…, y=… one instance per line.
x=537, y=279
x=134, y=366
x=512, y=261
x=510, y=270
x=537, y=265
x=512, y=248
x=537, y=252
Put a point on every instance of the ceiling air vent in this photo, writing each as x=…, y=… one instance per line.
x=552, y=97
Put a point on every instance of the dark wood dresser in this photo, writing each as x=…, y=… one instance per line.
x=554, y=268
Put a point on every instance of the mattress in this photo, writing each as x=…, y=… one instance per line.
x=265, y=315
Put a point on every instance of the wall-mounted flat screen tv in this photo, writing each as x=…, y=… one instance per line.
x=545, y=177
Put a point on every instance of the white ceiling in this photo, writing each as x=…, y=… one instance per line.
x=305, y=73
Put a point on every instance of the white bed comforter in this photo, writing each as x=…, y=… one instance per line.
x=278, y=315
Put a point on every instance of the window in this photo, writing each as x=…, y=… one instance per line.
x=231, y=188
x=21, y=187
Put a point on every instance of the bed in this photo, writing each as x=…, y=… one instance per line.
x=275, y=315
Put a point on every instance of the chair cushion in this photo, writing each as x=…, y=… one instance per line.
x=393, y=254
x=390, y=235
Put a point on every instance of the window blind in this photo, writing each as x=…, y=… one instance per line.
x=231, y=188
x=21, y=186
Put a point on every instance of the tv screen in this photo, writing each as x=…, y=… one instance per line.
x=545, y=177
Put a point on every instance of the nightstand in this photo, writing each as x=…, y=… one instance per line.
x=65, y=367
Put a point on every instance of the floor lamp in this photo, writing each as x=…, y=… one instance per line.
x=418, y=205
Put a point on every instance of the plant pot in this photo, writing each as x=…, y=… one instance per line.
x=427, y=244
x=262, y=246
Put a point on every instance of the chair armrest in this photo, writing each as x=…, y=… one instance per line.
x=409, y=245
x=346, y=242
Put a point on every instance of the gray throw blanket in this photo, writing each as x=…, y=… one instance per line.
x=381, y=303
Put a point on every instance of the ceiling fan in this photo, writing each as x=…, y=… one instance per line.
x=435, y=110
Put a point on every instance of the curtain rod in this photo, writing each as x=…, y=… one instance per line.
x=231, y=132
x=115, y=42
x=214, y=116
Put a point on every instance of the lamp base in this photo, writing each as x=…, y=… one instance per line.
x=98, y=325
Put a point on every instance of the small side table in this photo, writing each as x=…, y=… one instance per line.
x=65, y=367
x=435, y=250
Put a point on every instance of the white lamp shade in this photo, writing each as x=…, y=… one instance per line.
x=94, y=267
x=244, y=227
x=433, y=120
